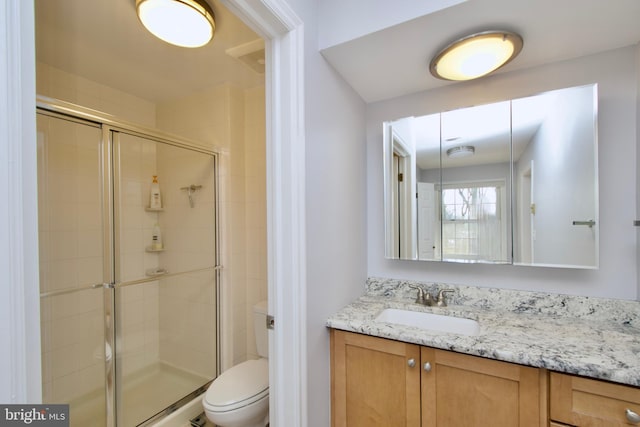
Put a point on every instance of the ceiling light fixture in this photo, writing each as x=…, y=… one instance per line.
x=461, y=151
x=476, y=55
x=184, y=23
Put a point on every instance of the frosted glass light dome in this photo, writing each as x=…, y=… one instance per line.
x=476, y=55
x=185, y=23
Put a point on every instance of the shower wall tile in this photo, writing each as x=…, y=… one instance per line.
x=187, y=323
x=87, y=219
x=62, y=274
x=71, y=244
x=63, y=217
x=90, y=270
x=72, y=327
x=90, y=244
x=202, y=117
x=231, y=122
x=55, y=83
x=138, y=322
x=137, y=165
x=73, y=324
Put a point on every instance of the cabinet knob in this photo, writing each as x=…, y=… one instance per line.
x=411, y=363
x=632, y=416
x=427, y=367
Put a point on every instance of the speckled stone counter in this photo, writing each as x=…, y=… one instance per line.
x=592, y=337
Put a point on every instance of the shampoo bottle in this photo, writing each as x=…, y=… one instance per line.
x=155, y=200
x=156, y=239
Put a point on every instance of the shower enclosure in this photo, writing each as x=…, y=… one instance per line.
x=129, y=329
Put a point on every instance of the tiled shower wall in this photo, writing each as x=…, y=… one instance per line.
x=138, y=318
x=67, y=351
x=55, y=83
x=230, y=121
x=187, y=302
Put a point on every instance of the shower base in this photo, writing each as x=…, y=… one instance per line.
x=144, y=394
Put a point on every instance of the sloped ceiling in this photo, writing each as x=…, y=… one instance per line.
x=394, y=61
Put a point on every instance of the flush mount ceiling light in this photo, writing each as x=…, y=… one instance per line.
x=476, y=55
x=185, y=23
x=461, y=151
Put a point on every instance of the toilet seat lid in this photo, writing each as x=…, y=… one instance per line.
x=239, y=386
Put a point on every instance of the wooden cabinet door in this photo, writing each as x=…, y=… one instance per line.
x=467, y=391
x=373, y=382
x=591, y=403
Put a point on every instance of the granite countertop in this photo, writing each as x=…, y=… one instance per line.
x=592, y=337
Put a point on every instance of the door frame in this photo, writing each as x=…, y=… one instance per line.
x=20, y=359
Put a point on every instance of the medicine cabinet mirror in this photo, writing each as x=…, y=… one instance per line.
x=513, y=182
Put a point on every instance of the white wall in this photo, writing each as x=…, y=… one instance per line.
x=372, y=15
x=615, y=73
x=335, y=183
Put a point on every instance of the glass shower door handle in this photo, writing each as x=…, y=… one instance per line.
x=153, y=272
x=103, y=286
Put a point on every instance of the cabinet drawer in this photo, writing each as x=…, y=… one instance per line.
x=589, y=403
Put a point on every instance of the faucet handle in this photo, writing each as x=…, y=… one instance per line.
x=423, y=296
x=420, y=296
x=441, y=301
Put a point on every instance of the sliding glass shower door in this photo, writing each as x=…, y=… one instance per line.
x=73, y=266
x=165, y=301
x=129, y=323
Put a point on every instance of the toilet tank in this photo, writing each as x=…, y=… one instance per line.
x=260, y=328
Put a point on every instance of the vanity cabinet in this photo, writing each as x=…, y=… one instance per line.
x=586, y=402
x=381, y=382
x=374, y=381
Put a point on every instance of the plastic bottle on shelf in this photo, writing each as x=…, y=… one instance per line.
x=156, y=239
x=155, y=199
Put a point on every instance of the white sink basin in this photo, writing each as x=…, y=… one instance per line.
x=430, y=321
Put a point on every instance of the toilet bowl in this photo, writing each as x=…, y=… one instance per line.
x=240, y=396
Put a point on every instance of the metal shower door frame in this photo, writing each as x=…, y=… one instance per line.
x=109, y=175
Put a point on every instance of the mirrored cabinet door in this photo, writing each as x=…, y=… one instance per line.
x=513, y=182
x=556, y=179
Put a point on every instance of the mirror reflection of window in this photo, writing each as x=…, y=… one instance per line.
x=473, y=222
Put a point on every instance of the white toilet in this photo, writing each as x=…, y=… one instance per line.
x=240, y=396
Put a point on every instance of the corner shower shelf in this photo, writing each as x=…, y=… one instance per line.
x=150, y=249
x=148, y=209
